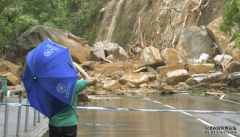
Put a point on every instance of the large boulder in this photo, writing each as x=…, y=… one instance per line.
x=233, y=51
x=171, y=56
x=233, y=67
x=98, y=51
x=165, y=69
x=221, y=38
x=200, y=68
x=223, y=60
x=111, y=85
x=193, y=42
x=150, y=56
x=103, y=49
x=136, y=79
x=111, y=58
x=122, y=55
x=31, y=39
x=191, y=81
x=12, y=79
x=6, y=66
x=152, y=76
x=174, y=77
x=111, y=68
x=208, y=77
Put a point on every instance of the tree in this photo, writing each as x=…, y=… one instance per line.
x=76, y=16
x=231, y=16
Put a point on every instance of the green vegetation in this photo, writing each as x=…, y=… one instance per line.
x=194, y=92
x=231, y=15
x=16, y=17
x=95, y=88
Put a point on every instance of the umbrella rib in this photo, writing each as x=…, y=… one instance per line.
x=57, y=77
x=50, y=61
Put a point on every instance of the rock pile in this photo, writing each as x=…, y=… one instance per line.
x=204, y=58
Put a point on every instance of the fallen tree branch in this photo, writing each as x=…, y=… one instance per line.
x=201, y=6
x=163, y=20
x=139, y=27
x=138, y=70
x=77, y=38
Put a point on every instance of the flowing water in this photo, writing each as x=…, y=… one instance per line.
x=110, y=123
x=113, y=22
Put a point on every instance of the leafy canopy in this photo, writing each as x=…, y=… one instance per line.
x=18, y=16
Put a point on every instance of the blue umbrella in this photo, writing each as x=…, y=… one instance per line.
x=49, y=78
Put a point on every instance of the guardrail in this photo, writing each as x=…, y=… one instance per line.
x=19, y=112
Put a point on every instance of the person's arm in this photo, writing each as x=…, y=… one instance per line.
x=92, y=81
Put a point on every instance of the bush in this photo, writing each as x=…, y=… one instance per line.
x=231, y=16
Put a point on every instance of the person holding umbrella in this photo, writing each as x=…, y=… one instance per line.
x=65, y=123
x=52, y=86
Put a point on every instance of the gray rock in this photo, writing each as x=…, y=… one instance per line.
x=193, y=42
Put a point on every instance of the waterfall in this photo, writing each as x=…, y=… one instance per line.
x=113, y=21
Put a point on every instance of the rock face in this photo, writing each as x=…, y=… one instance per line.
x=222, y=39
x=171, y=56
x=29, y=40
x=150, y=56
x=193, y=42
x=126, y=27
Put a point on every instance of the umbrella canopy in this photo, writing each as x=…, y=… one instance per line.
x=49, y=78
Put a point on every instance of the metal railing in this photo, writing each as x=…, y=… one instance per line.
x=1, y=97
x=19, y=112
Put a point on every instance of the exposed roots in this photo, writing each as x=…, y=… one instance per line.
x=202, y=5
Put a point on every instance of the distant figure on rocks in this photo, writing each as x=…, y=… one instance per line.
x=65, y=123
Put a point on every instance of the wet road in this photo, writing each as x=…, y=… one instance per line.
x=109, y=123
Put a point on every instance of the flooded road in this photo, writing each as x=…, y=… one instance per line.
x=110, y=123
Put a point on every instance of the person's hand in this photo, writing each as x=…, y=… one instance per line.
x=92, y=81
